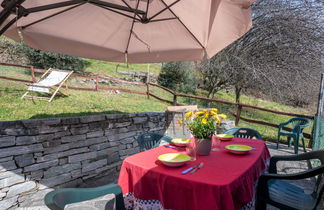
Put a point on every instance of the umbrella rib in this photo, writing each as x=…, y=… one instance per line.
x=9, y=24
x=183, y=24
x=116, y=6
x=166, y=7
x=163, y=19
x=120, y=13
x=131, y=29
x=45, y=18
x=131, y=8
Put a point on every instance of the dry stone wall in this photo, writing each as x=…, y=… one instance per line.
x=39, y=155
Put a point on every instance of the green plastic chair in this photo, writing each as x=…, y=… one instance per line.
x=151, y=140
x=240, y=132
x=277, y=189
x=57, y=199
x=298, y=124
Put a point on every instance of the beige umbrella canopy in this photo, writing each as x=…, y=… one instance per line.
x=136, y=31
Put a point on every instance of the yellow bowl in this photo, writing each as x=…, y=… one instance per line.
x=180, y=142
x=238, y=149
x=173, y=159
x=224, y=137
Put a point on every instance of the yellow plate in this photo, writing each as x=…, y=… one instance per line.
x=174, y=159
x=180, y=142
x=224, y=137
x=238, y=149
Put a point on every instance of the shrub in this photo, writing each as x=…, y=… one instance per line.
x=45, y=60
x=178, y=76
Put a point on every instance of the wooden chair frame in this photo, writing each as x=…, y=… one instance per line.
x=55, y=89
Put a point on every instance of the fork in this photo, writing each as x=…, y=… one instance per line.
x=198, y=167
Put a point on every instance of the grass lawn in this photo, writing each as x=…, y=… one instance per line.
x=87, y=102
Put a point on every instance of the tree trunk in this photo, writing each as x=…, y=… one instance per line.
x=237, y=94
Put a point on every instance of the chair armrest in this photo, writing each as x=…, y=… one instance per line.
x=301, y=175
x=81, y=194
x=283, y=124
x=304, y=156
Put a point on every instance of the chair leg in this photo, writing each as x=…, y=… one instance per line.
x=296, y=145
x=303, y=144
x=24, y=95
x=260, y=205
x=289, y=140
x=278, y=141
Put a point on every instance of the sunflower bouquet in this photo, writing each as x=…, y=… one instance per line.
x=203, y=124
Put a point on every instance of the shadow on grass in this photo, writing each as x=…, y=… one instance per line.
x=78, y=114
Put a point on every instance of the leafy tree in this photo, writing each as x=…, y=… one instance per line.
x=178, y=76
x=45, y=60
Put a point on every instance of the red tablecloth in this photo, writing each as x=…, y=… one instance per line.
x=225, y=182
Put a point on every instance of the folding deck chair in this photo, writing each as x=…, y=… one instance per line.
x=50, y=82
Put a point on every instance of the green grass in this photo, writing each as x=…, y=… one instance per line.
x=110, y=68
x=87, y=103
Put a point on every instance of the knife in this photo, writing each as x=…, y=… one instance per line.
x=189, y=169
x=170, y=146
x=200, y=165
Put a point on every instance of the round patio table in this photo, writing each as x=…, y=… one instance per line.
x=225, y=182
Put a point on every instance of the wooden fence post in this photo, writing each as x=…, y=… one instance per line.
x=97, y=82
x=148, y=90
x=33, y=74
x=174, y=99
x=238, y=114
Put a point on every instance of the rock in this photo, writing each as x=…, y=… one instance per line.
x=69, y=121
x=18, y=150
x=38, y=166
x=92, y=118
x=11, y=180
x=66, y=139
x=123, y=124
x=24, y=160
x=47, y=157
x=7, y=174
x=107, y=152
x=118, y=137
x=93, y=165
x=79, y=130
x=56, y=180
x=7, y=203
x=128, y=151
x=7, y=141
x=57, y=170
x=95, y=134
x=138, y=120
x=21, y=140
x=46, y=137
x=73, y=151
x=81, y=157
x=113, y=157
x=6, y=159
x=36, y=175
x=21, y=188
x=100, y=146
x=7, y=166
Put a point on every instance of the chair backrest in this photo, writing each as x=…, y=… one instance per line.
x=54, y=78
x=150, y=140
x=248, y=133
x=299, y=122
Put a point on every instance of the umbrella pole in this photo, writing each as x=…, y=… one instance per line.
x=148, y=81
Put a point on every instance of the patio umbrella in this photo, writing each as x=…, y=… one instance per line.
x=136, y=31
